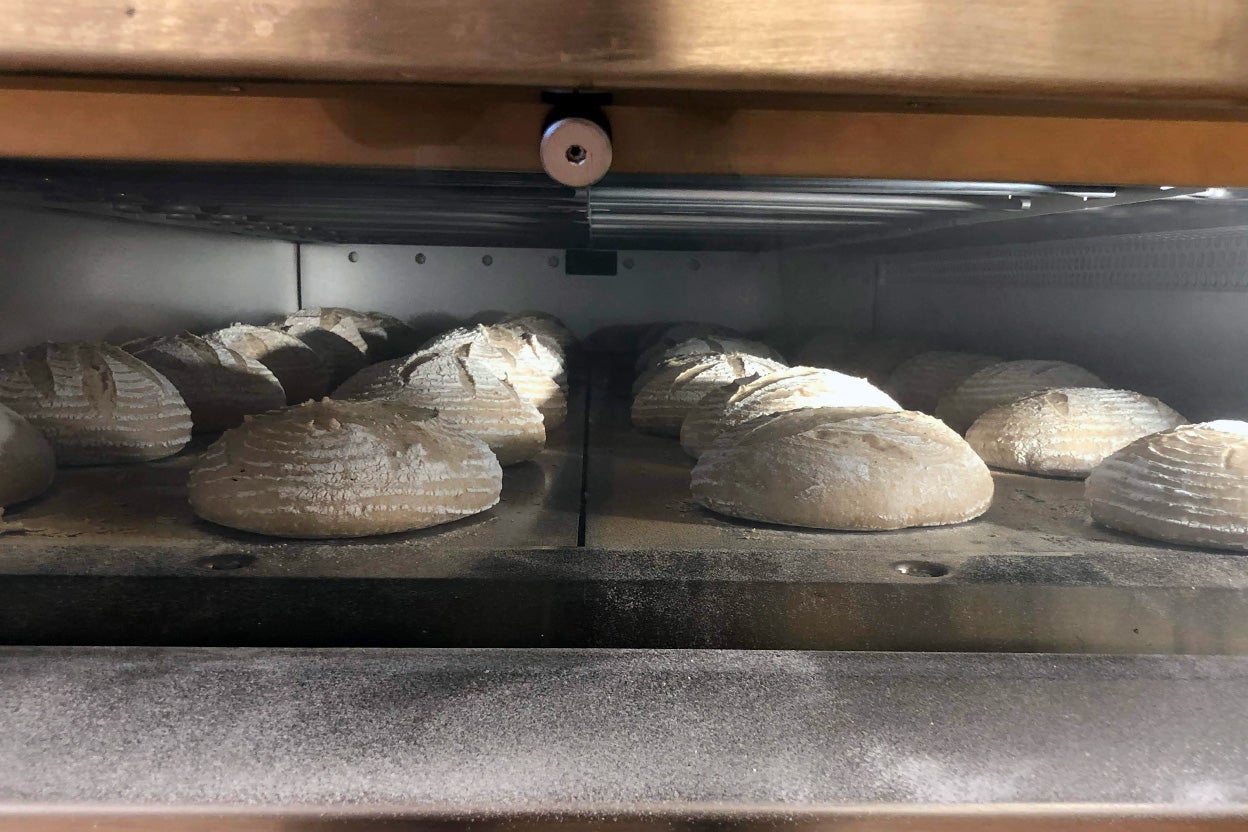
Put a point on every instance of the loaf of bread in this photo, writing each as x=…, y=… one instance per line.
x=541, y=323
x=793, y=388
x=95, y=403
x=678, y=384
x=919, y=382
x=343, y=469
x=465, y=393
x=380, y=336
x=296, y=366
x=705, y=345
x=670, y=334
x=218, y=384
x=27, y=462
x=1188, y=485
x=515, y=359
x=336, y=340
x=1068, y=431
x=815, y=469
x=1004, y=382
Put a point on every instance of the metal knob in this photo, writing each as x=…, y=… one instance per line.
x=576, y=151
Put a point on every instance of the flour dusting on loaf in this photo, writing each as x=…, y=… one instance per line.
x=705, y=345
x=920, y=381
x=459, y=385
x=343, y=469
x=817, y=469
x=793, y=388
x=296, y=366
x=218, y=384
x=1068, y=431
x=95, y=403
x=1005, y=382
x=541, y=323
x=678, y=384
x=1188, y=485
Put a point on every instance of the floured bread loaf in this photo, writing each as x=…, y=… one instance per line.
x=542, y=323
x=1004, y=382
x=679, y=384
x=380, y=336
x=218, y=384
x=95, y=403
x=27, y=463
x=339, y=343
x=296, y=366
x=465, y=393
x=705, y=345
x=866, y=473
x=670, y=334
x=1066, y=432
x=919, y=382
x=515, y=359
x=793, y=388
x=343, y=469
x=1188, y=485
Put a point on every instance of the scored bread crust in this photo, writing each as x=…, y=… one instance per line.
x=96, y=403
x=464, y=392
x=343, y=469
x=1004, y=382
x=816, y=469
x=676, y=386
x=1068, y=431
x=793, y=388
x=1188, y=485
x=297, y=367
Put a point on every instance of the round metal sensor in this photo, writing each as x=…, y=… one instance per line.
x=576, y=152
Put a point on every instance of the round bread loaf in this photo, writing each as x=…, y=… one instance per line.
x=343, y=469
x=705, y=345
x=814, y=468
x=218, y=384
x=464, y=392
x=670, y=334
x=335, y=339
x=919, y=382
x=27, y=462
x=541, y=323
x=1004, y=382
x=679, y=384
x=1188, y=485
x=514, y=358
x=95, y=403
x=380, y=336
x=400, y=338
x=793, y=388
x=1068, y=431
x=296, y=366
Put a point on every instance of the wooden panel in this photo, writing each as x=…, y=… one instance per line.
x=484, y=129
x=1156, y=50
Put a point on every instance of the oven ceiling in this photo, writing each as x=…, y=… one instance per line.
x=470, y=208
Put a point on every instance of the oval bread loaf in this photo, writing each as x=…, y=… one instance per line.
x=27, y=462
x=705, y=345
x=1004, y=382
x=95, y=403
x=514, y=359
x=678, y=385
x=1068, y=431
x=815, y=469
x=218, y=384
x=793, y=388
x=296, y=366
x=343, y=469
x=465, y=394
x=1188, y=485
x=919, y=382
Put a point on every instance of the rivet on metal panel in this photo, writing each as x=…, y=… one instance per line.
x=921, y=568
x=487, y=260
x=353, y=256
x=695, y=264
x=420, y=259
x=627, y=262
x=552, y=261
